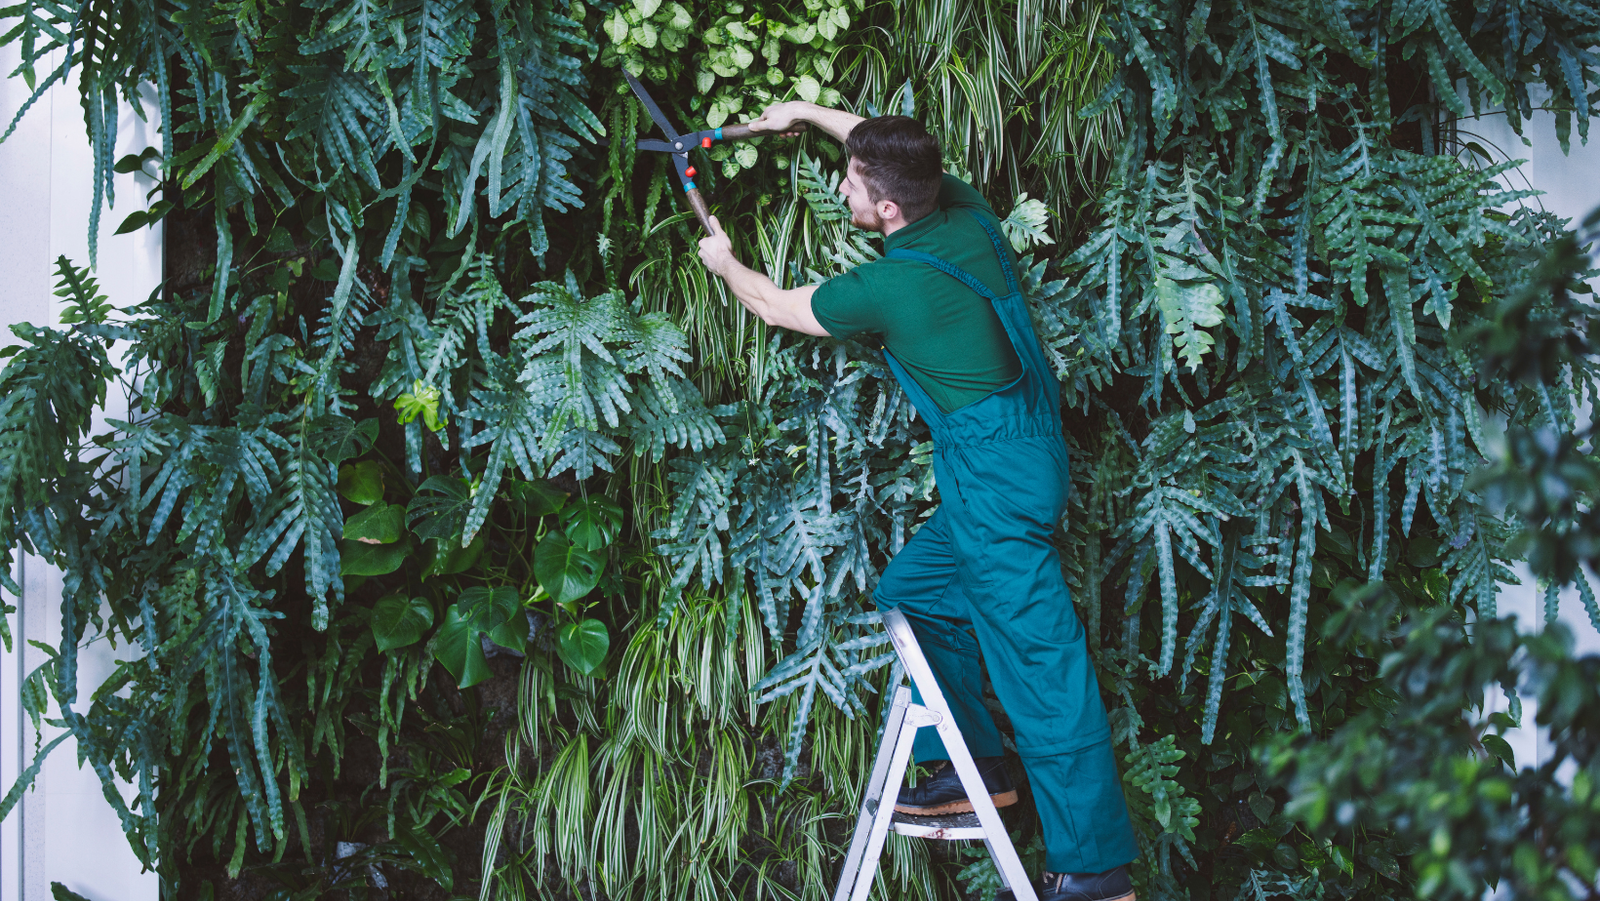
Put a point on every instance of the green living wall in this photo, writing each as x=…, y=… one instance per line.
x=475, y=544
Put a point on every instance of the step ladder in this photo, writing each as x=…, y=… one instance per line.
x=888, y=773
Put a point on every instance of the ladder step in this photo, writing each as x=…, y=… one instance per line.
x=947, y=827
x=878, y=815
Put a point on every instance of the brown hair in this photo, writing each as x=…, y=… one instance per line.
x=899, y=161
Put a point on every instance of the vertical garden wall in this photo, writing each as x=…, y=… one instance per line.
x=474, y=543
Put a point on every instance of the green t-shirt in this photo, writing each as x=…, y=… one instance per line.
x=947, y=336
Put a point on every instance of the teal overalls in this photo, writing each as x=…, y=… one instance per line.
x=985, y=561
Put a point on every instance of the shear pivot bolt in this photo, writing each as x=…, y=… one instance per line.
x=705, y=142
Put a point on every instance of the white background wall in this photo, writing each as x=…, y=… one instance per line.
x=1571, y=183
x=63, y=831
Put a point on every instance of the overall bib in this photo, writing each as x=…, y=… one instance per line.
x=985, y=562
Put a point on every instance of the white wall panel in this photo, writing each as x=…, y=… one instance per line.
x=1571, y=185
x=63, y=831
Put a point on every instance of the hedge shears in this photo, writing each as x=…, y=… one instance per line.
x=680, y=145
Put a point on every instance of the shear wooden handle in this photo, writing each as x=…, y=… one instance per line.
x=744, y=132
x=701, y=212
x=741, y=132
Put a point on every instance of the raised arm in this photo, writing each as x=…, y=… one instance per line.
x=781, y=117
x=788, y=308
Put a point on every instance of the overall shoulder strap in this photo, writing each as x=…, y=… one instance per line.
x=946, y=267
x=1000, y=251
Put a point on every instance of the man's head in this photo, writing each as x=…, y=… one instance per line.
x=894, y=172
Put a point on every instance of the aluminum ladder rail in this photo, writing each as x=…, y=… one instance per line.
x=888, y=773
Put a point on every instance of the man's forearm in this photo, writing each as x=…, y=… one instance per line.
x=790, y=309
x=754, y=290
x=835, y=122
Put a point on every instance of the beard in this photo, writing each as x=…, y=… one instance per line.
x=870, y=221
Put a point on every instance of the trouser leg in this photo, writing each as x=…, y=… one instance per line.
x=921, y=581
x=1038, y=657
x=1082, y=810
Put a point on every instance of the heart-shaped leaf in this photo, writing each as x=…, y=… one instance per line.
x=359, y=559
x=456, y=645
x=378, y=524
x=592, y=523
x=537, y=498
x=565, y=571
x=439, y=509
x=338, y=438
x=1262, y=806
x=361, y=483
x=808, y=88
x=398, y=621
x=489, y=607
x=513, y=633
x=583, y=645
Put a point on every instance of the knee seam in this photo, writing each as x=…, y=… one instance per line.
x=1066, y=746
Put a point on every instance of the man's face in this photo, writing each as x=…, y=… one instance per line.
x=863, y=212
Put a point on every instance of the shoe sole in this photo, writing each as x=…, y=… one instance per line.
x=1004, y=799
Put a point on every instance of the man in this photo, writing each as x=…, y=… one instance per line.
x=945, y=305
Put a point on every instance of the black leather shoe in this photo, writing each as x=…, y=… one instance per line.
x=1112, y=885
x=941, y=792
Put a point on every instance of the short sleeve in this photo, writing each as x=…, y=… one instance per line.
x=843, y=305
x=954, y=193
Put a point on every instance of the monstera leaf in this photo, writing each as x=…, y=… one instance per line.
x=339, y=437
x=444, y=557
x=489, y=608
x=592, y=523
x=565, y=571
x=458, y=646
x=439, y=509
x=538, y=498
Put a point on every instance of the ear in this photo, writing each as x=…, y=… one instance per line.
x=888, y=210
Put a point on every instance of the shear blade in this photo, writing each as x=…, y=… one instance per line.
x=650, y=107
